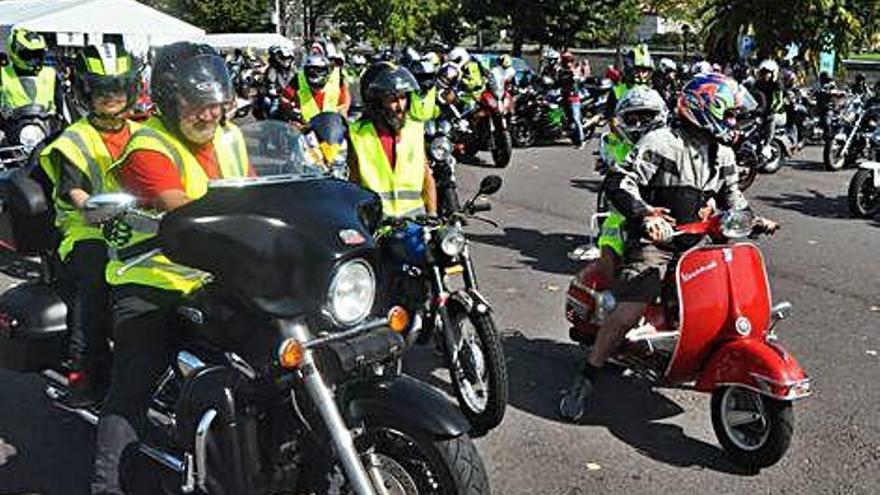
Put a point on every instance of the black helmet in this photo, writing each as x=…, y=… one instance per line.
x=189, y=72
x=825, y=77
x=382, y=80
x=424, y=72
x=102, y=70
x=408, y=56
x=280, y=56
x=317, y=70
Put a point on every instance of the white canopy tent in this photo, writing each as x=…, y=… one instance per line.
x=80, y=22
x=257, y=41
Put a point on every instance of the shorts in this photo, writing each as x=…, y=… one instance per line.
x=641, y=277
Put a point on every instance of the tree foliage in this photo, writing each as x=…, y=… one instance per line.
x=220, y=16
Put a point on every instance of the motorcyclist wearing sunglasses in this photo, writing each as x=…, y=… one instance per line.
x=105, y=86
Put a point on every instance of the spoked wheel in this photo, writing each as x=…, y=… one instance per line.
x=755, y=429
x=480, y=383
x=522, y=134
x=863, y=196
x=747, y=172
x=831, y=156
x=774, y=163
x=410, y=462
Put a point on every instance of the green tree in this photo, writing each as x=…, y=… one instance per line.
x=219, y=16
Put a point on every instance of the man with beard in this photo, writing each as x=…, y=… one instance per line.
x=389, y=147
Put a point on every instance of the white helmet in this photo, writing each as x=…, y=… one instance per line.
x=642, y=109
x=550, y=54
x=667, y=65
x=701, y=67
x=459, y=56
x=770, y=66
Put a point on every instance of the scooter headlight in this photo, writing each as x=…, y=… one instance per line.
x=453, y=242
x=352, y=293
x=30, y=136
x=441, y=149
x=737, y=224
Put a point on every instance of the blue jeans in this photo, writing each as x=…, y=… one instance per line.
x=577, y=131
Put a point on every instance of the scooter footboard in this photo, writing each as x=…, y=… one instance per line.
x=765, y=367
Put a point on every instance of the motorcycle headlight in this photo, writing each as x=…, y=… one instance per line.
x=875, y=137
x=30, y=136
x=737, y=224
x=444, y=127
x=352, y=292
x=453, y=242
x=441, y=149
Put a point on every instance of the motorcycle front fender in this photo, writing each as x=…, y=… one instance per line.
x=763, y=366
x=405, y=400
x=471, y=300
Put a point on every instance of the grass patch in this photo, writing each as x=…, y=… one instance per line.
x=866, y=56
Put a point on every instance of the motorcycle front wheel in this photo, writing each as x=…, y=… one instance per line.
x=754, y=429
x=831, y=157
x=480, y=382
x=407, y=461
x=774, y=163
x=863, y=197
x=503, y=148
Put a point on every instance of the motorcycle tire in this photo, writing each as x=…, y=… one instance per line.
x=776, y=160
x=503, y=149
x=602, y=204
x=522, y=134
x=832, y=162
x=483, y=337
x=413, y=462
x=749, y=445
x=863, y=197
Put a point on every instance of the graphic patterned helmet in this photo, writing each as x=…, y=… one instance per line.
x=26, y=49
x=638, y=64
x=708, y=101
x=641, y=110
x=186, y=72
x=103, y=70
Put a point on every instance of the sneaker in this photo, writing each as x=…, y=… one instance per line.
x=574, y=400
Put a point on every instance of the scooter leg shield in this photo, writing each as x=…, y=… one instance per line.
x=763, y=366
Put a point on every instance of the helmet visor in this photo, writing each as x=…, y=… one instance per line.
x=204, y=80
x=32, y=57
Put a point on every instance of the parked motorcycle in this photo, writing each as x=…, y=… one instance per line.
x=284, y=369
x=442, y=161
x=716, y=330
x=848, y=139
x=863, y=196
x=22, y=129
x=537, y=118
x=424, y=254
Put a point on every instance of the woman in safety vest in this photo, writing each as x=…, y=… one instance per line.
x=77, y=163
x=389, y=145
x=167, y=163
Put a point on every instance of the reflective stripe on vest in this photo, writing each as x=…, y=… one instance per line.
x=400, y=189
x=231, y=155
x=307, y=103
x=15, y=94
x=423, y=107
x=82, y=146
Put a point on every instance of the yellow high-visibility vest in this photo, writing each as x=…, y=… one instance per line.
x=400, y=189
x=15, y=94
x=81, y=145
x=159, y=271
x=307, y=103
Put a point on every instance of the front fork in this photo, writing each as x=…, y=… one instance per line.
x=322, y=397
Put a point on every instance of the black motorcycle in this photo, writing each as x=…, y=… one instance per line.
x=423, y=255
x=863, y=196
x=22, y=129
x=284, y=378
x=439, y=148
x=850, y=131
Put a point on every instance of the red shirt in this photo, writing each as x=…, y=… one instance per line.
x=389, y=144
x=147, y=174
x=115, y=141
x=290, y=92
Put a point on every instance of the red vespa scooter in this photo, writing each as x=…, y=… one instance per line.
x=716, y=336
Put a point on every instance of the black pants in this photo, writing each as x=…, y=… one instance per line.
x=88, y=317
x=142, y=352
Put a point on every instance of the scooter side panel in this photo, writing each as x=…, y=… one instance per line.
x=758, y=365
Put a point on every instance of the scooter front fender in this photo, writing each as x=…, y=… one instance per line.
x=403, y=400
x=763, y=366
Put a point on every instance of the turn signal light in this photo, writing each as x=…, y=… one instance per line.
x=398, y=319
x=290, y=354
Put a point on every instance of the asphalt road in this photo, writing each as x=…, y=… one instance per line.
x=636, y=439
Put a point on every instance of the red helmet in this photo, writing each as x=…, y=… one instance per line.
x=613, y=73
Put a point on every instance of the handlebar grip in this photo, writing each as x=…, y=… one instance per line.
x=135, y=250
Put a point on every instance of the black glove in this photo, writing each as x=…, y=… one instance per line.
x=117, y=232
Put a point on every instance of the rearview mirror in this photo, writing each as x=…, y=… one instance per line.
x=490, y=185
x=102, y=208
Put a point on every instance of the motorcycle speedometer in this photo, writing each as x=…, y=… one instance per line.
x=441, y=149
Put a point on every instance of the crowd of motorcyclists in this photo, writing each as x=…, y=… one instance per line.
x=395, y=124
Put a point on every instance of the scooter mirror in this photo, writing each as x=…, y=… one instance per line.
x=490, y=185
x=781, y=311
x=102, y=208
